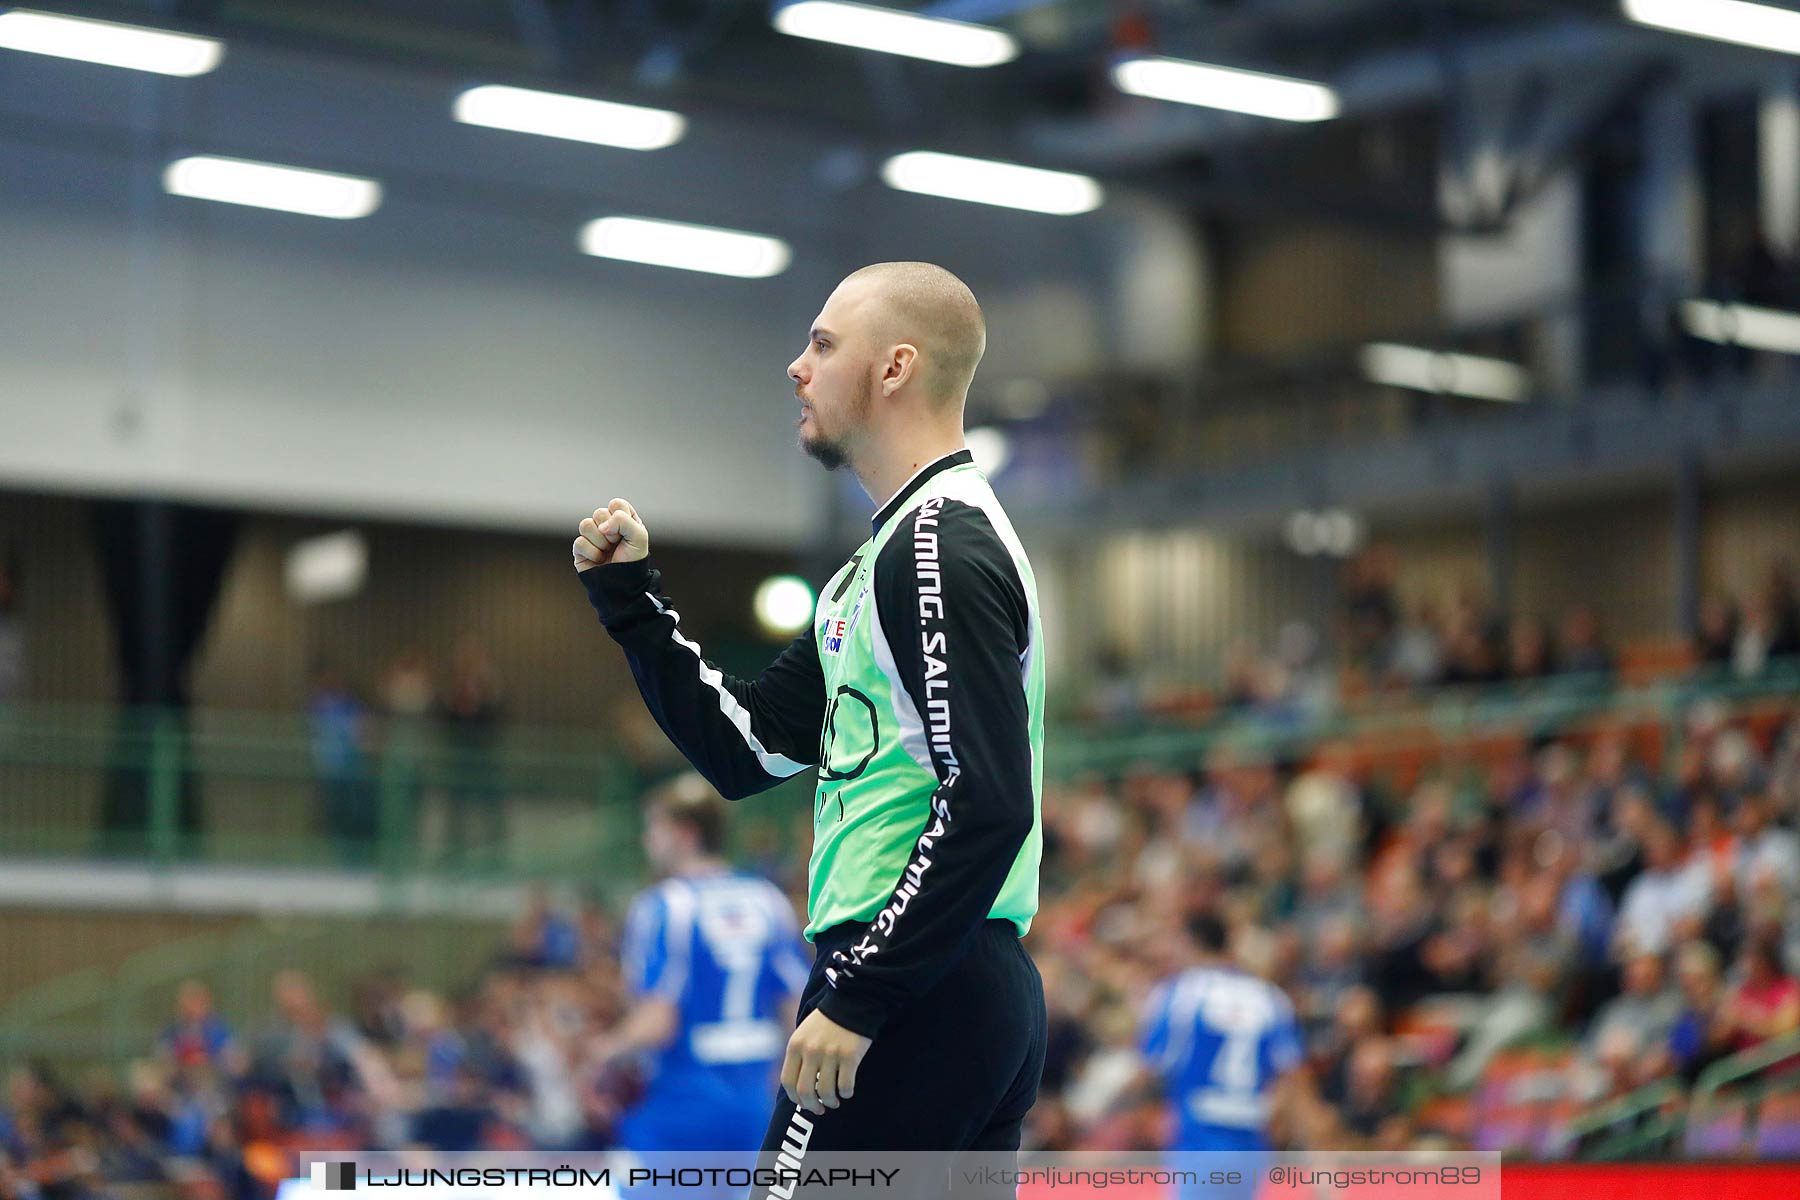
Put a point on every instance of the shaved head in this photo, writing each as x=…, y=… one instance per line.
x=926, y=306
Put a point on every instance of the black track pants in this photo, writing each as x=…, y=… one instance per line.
x=956, y=1071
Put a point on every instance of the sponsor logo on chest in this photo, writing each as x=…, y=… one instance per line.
x=835, y=629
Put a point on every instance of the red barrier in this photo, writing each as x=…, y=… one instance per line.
x=1524, y=1181
x=1674, y=1181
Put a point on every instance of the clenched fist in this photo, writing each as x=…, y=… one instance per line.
x=614, y=534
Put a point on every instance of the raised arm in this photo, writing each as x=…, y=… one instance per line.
x=743, y=736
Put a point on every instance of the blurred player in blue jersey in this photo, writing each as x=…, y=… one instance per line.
x=1225, y=1047
x=715, y=965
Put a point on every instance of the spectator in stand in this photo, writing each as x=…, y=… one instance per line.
x=407, y=698
x=198, y=1036
x=1325, y=805
x=1764, y=1003
x=1470, y=655
x=1417, y=660
x=1697, y=1040
x=1583, y=650
x=1768, y=634
x=1359, y=1018
x=1242, y=687
x=1780, y=595
x=1332, y=972
x=1372, y=1111
x=1667, y=900
x=1715, y=637
x=432, y=1051
x=1765, y=850
x=1117, y=693
x=546, y=937
x=458, y=1123
x=1784, y=774
x=1371, y=613
x=1528, y=650
x=339, y=740
x=1609, y=767
x=471, y=714
x=313, y=1062
x=1639, y=1021
x=1302, y=689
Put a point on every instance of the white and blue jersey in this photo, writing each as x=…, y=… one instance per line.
x=726, y=951
x=1219, y=1038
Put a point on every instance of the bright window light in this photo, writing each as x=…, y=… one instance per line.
x=1742, y=325
x=1226, y=87
x=1759, y=25
x=576, y=118
x=883, y=29
x=109, y=43
x=687, y=247
x=987, y=182
x=1445, y=373
x=784, y=604
x=265, y=185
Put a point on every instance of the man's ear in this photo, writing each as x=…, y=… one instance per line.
x=902, y=362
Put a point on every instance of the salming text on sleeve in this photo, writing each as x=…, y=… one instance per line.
x=955, y=628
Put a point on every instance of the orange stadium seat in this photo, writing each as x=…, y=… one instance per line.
x=1651, y=659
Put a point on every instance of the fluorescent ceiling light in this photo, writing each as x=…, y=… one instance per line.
x=1334, y=531
x=1226, y=87
x=1445, y=373
x=264, y=185
x=573, y=117
x=1742, y=325
x=688, y=247
x=883, y=29
x=109, y=43
x=987, y=182
x=1759, y=25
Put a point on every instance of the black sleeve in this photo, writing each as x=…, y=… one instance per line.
x=957, y=622
x=743, y=736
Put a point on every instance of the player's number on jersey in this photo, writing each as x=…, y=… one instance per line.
x=1234, y=1065
x=738, y=937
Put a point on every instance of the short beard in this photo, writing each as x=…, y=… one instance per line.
x=834, y=453
x=830, y=455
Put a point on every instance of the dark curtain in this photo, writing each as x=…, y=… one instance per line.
x=162, y=565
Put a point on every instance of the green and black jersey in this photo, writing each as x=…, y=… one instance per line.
x=918, y=697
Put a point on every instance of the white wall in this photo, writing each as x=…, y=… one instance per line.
x=325, y=381
x=452, y=357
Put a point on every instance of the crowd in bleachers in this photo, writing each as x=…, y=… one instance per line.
x=1552, y=891
x=1390, y=647
x=1427, y=917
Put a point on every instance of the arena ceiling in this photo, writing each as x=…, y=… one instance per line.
x=1424, y=84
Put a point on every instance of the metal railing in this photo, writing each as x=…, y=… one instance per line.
x=1441, y=716
x=219, y=787
x=1753, y=1075
x=1663, y=1119
x=1631, y=1126
x=163, y=788
x=108, y=1016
